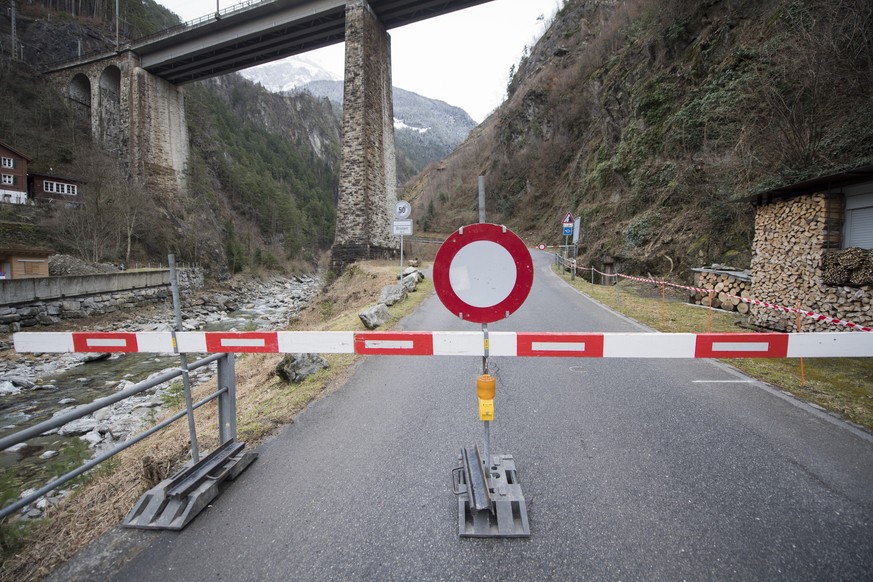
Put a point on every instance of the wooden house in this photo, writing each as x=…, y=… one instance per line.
x=13, y=175
x=50, y=187
x=813, y=248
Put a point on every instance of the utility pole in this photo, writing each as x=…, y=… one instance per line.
x=14, y=35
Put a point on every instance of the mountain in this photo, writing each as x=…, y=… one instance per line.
x=653, y=119
x=425, y=130
x=262, y=168
x=288, y=74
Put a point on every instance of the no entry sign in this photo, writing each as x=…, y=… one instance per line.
x=483, y=273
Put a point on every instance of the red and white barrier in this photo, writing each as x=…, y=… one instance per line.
x=462, y=343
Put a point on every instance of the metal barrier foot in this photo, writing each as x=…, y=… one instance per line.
x=505, y=513
x=175, y=501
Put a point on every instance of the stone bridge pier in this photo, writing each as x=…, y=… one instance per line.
x=133, y=114
x=368, y=177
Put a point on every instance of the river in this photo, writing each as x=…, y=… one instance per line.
x=34, y=388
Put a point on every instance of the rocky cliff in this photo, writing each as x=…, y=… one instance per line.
x=649, y=119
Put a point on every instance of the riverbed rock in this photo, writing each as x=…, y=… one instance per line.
x=375, y=316
x=7, y=387
x=79, y=426
x=297, y=367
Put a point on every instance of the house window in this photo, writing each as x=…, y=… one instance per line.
x=8, y=162
x=7, y=179
x=858, y=222
x=59, y=188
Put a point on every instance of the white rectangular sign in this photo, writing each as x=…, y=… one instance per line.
x=402, y=227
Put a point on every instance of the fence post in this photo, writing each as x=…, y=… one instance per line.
x=227, y=399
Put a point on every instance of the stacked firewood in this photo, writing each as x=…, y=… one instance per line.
x=726, y=294
x=848, y=267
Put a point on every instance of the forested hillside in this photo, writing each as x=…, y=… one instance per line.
x=261, y=174
x=651, y=119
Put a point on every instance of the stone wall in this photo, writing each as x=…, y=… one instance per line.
x=787, y=268
x=82, y=300
x=367, y=188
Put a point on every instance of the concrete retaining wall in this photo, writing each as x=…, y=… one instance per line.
x=30, y=302
x=17, y=291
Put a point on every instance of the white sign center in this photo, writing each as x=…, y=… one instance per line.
x=482, y=274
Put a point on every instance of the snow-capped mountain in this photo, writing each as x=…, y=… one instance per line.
x=426, y=130
x=287, y=74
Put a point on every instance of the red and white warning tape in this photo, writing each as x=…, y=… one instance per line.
x=462, y=343
x=750, y=300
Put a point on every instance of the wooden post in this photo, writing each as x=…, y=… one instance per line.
x=802, y=376
x=709, y=314
x=663, y=304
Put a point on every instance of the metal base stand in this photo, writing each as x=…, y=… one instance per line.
x=174, y=502
x=490, y=501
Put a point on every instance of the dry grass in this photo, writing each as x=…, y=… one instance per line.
x=264, y=404
x=843, y=386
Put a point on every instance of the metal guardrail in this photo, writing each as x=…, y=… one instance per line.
x=226, y=395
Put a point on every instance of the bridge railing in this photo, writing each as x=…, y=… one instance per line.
x=225, y=394
x=211, y=17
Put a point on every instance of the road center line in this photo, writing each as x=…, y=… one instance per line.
x=723, y=381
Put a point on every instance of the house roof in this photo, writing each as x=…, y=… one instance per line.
x=23, y=250
x=15, y=151
x=827, y=183
x=54, y=176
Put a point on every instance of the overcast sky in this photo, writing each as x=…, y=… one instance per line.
x=462, y=58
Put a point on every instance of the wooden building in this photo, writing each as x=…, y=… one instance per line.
x=813, y=248
x=21, y=262
x=13, y=175
x=49, y=187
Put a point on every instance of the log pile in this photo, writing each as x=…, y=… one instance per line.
x=848, y=267
x=791, y=267
x=727, y=290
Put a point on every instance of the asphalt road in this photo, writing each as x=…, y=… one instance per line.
x=632, y=469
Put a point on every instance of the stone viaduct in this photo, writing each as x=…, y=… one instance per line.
x=134, y=99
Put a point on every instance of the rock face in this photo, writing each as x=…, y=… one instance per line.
x=295, y=368
x=375, y=316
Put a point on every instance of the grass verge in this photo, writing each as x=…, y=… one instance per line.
x=32, y=550
x=840, y=385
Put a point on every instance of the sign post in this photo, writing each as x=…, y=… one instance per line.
x=402, y=225
x=483, y=273
x=567, y=230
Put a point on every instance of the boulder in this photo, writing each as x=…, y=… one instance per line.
x=410, y=282
x=376, y=316
x=296, y=368
x=392, y=294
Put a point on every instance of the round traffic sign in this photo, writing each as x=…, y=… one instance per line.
x=542, y=247
x=402, y=209
x=483, y=273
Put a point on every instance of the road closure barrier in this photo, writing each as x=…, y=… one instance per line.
x=462, y=343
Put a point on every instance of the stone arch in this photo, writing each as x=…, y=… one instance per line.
x=79, y=94
x=109, y=104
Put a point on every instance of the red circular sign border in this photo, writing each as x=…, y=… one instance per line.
x=475, y=233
